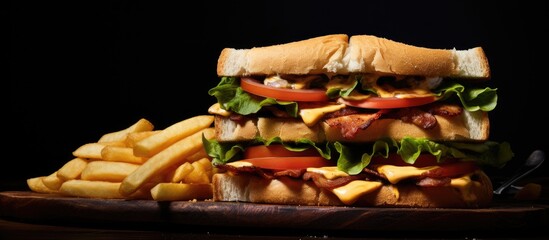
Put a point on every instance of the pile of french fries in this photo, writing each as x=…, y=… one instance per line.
x=139, y=163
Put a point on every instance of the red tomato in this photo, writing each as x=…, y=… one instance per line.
x=285, y=163
x=451, y=170
x=278, y=150
x=383, y=103
x=305, y=95
x=277, y=157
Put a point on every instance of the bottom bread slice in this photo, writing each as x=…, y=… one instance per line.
x=292, y=191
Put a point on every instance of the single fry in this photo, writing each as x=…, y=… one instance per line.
x=36, y=185
x=119, y=136
x=90, y=189
x=120, y=154
x=72, y=169
x=155, y=143
x=170, y=157
x=98, y=189
x=107, y=171
x=181, y=172
x=93, y=150
x=201, y=172
x=198, y=155
x=135, y=137
x=181, y=192
x=52, y=181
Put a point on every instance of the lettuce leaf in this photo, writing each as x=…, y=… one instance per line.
x=232, y=98
x=353, y=158
x=222, y=153
x=472, y=99
x=487, y=153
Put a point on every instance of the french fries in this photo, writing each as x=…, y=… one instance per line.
x=52, y=181
x=162, y=161
x=107, y=171
x=181, y=191
x=120, y=154
x=181, y=172
x=155, y=143
x=138, y=162
x=93, y=150
x=94, y=189
x=36, y=185
x=139, y=126
x=201, y=173
x=134, y=137
x=72, y=169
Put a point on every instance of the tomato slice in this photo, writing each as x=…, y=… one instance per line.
x=451, y=170
x=278, y=150
x=285, y=163
x=392, y=102
x=298, y=95
x=277, y=157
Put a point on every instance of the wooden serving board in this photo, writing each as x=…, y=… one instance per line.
x=37, y=207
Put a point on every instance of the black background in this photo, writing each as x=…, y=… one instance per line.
x=80, y=69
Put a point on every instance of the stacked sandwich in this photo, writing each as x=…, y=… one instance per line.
x=354, y=121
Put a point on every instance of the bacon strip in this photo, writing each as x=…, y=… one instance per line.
x=247, y=169
x=433, y=182
x=449, y=110
x=322, y=182
x=349, y=125
x=295, y=173
x=418, y=117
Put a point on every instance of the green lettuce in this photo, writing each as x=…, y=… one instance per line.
x=472, y=99
x=353, y=158
x=222, y=153
x=232, y=98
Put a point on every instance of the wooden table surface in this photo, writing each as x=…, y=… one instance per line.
x=27, y=215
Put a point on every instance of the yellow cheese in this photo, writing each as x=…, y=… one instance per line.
x=328, y=172
x=395, y=191
x=417, y=87
x=311, y=116
x=350, y=192
x=238, y=164
x=216, y=109
x=464, y=185
x=396, y=173
x=402, y=92
x=341, y=82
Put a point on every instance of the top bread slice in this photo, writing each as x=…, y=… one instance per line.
x=311, y=56
x=338, y=54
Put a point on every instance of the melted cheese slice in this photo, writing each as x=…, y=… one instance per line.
x=397, y=173
x=216, y=109
x=402, y=92
x=311, y=116
x=328, y=172
x=239, y=164
x=464, y=185
x=421, y=88
x=350, y=192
